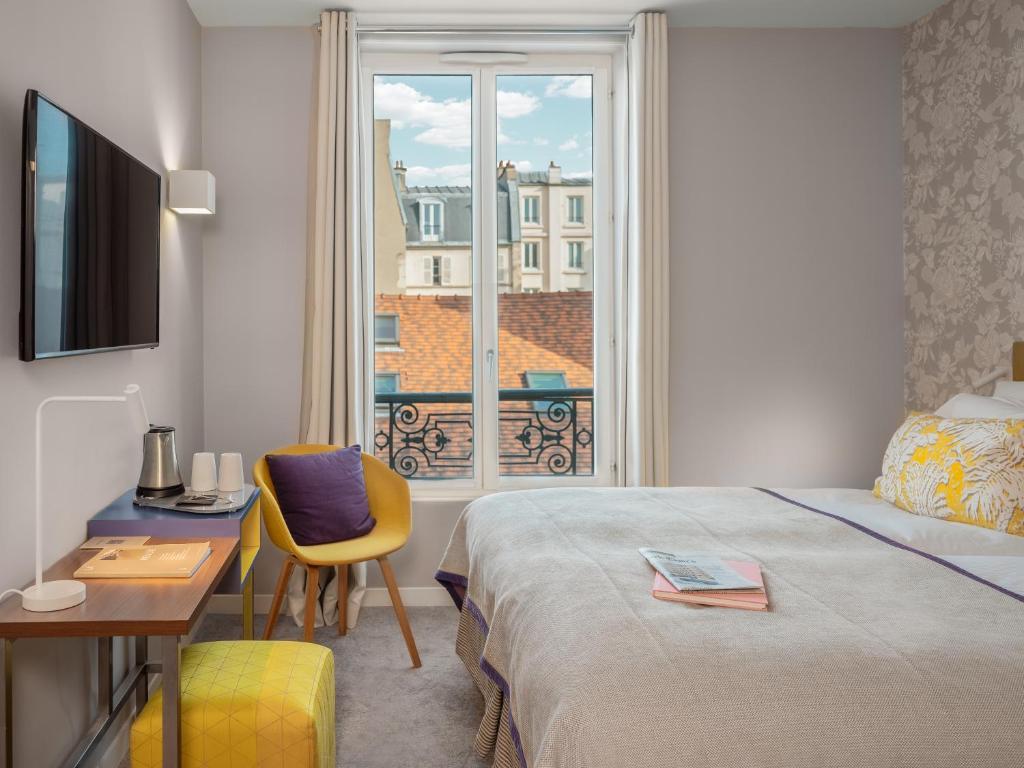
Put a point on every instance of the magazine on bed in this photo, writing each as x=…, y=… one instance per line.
x=697, y=572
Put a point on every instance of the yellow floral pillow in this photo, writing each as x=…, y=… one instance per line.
x=964, y=470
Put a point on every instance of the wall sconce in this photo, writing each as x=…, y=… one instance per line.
x=192, y=192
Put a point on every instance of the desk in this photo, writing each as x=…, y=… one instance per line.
x=139, y=608
x=122, y=518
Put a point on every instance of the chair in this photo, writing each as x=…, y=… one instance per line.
x=390, y=506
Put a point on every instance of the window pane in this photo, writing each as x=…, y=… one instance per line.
x=546, y=312
x=423, y=274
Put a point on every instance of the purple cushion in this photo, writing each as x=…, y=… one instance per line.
x=322, y=495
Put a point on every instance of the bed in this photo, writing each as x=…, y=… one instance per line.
x=892, y=639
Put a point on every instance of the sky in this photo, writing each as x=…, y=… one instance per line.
x=540, y=118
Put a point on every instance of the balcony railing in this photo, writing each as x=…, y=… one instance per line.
x=429, y=435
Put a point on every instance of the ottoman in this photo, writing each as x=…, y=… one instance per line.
x=247, y=703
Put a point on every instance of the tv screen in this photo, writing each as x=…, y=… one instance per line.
x=90, y=240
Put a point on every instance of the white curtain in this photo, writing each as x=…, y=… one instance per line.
x=644, y=355
x=334, y=352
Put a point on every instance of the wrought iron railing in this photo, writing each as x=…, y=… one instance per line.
x=540, y=432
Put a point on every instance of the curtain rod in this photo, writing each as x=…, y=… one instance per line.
x=510, y=30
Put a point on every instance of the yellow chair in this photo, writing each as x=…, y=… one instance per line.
x=390, y=506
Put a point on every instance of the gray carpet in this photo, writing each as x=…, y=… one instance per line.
x=390, y=715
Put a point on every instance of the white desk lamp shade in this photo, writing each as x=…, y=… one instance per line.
x=66, y=593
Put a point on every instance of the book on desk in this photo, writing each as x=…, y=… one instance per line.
x=154, y=561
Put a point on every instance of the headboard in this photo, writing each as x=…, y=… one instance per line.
x=1018, y=361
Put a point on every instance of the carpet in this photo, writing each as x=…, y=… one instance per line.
x=390, y=715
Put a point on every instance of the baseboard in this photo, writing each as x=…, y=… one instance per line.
x=413, y=597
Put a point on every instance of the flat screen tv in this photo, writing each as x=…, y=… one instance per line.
x=90, y=240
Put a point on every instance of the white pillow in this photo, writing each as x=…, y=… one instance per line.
x=1010, y=390
x=967, y=406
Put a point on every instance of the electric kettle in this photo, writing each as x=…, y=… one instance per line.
x=160, y=476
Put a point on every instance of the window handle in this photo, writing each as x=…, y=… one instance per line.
x=490, y=365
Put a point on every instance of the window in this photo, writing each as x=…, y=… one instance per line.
x=575, y=209
x=437, y=270
x=545, y=380
x=384, y=384
x=430, y=221
x=531, y=260
x=531, y=209
x=385, y=328
x=454, y=145
x=575, y=254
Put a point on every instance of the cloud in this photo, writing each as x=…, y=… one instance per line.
x=569, y=145
x=572, y=86
x=447, y=123
x=540, y=142
x=578, y=175
x=523, y=165
x=516, y=104
x=459, y=175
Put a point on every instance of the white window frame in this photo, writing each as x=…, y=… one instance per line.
x=534, y=247
x=569, y=200
x=569, y=266
x=535, y=199
x=425, y=204
x=604, y=59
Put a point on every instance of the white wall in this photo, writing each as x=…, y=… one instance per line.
x=257, y=101
x=787, y=347
x=129, y=68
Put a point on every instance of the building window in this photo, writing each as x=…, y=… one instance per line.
x=531, y=209
x=430, y=222
x=575, y=209
x=385, y=328
x=502, y=268
x=384, y=384
x=545, y=380
x=575, y=255
x=531, y=256
x=437, y=270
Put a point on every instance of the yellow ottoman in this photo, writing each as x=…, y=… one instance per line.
x=247, y=703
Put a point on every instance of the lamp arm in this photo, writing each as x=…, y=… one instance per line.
x=39, y=462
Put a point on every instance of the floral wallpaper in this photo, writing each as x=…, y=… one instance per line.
x=963, y=132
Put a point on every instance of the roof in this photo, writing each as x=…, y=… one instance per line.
x=537, y=332
x=541, y=177
x=457, y=227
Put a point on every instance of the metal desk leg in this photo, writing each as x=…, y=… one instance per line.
x=170, y=668
x=248, y=600
x=105, y=674
x=142, y=688
x=7, y=699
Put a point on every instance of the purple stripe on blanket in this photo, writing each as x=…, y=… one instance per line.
x=495, y=677
x=894, y=543
x=455, y=584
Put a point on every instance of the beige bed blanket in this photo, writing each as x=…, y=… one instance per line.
x=871, y=655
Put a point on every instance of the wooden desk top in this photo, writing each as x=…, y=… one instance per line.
x=123, y=607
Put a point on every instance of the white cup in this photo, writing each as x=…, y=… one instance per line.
x=230, y=479
x=204, y=472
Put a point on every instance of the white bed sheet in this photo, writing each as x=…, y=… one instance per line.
x=994, y=556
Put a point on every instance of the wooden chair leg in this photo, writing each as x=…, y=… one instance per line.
x=312, y=592
x=342, y=599
x=275, y=606
x=396, y=601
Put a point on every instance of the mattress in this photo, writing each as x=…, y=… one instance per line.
x=892, y=640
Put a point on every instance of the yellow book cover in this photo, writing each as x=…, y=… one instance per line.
x=158, y=561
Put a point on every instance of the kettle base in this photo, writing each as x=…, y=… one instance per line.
x=160, y=493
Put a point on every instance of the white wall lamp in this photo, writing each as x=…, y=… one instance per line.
x=66, y=593
x=192, y=192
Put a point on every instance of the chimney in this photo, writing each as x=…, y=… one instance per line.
x=400, y=175
x=510, y=171
x=554, y=173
